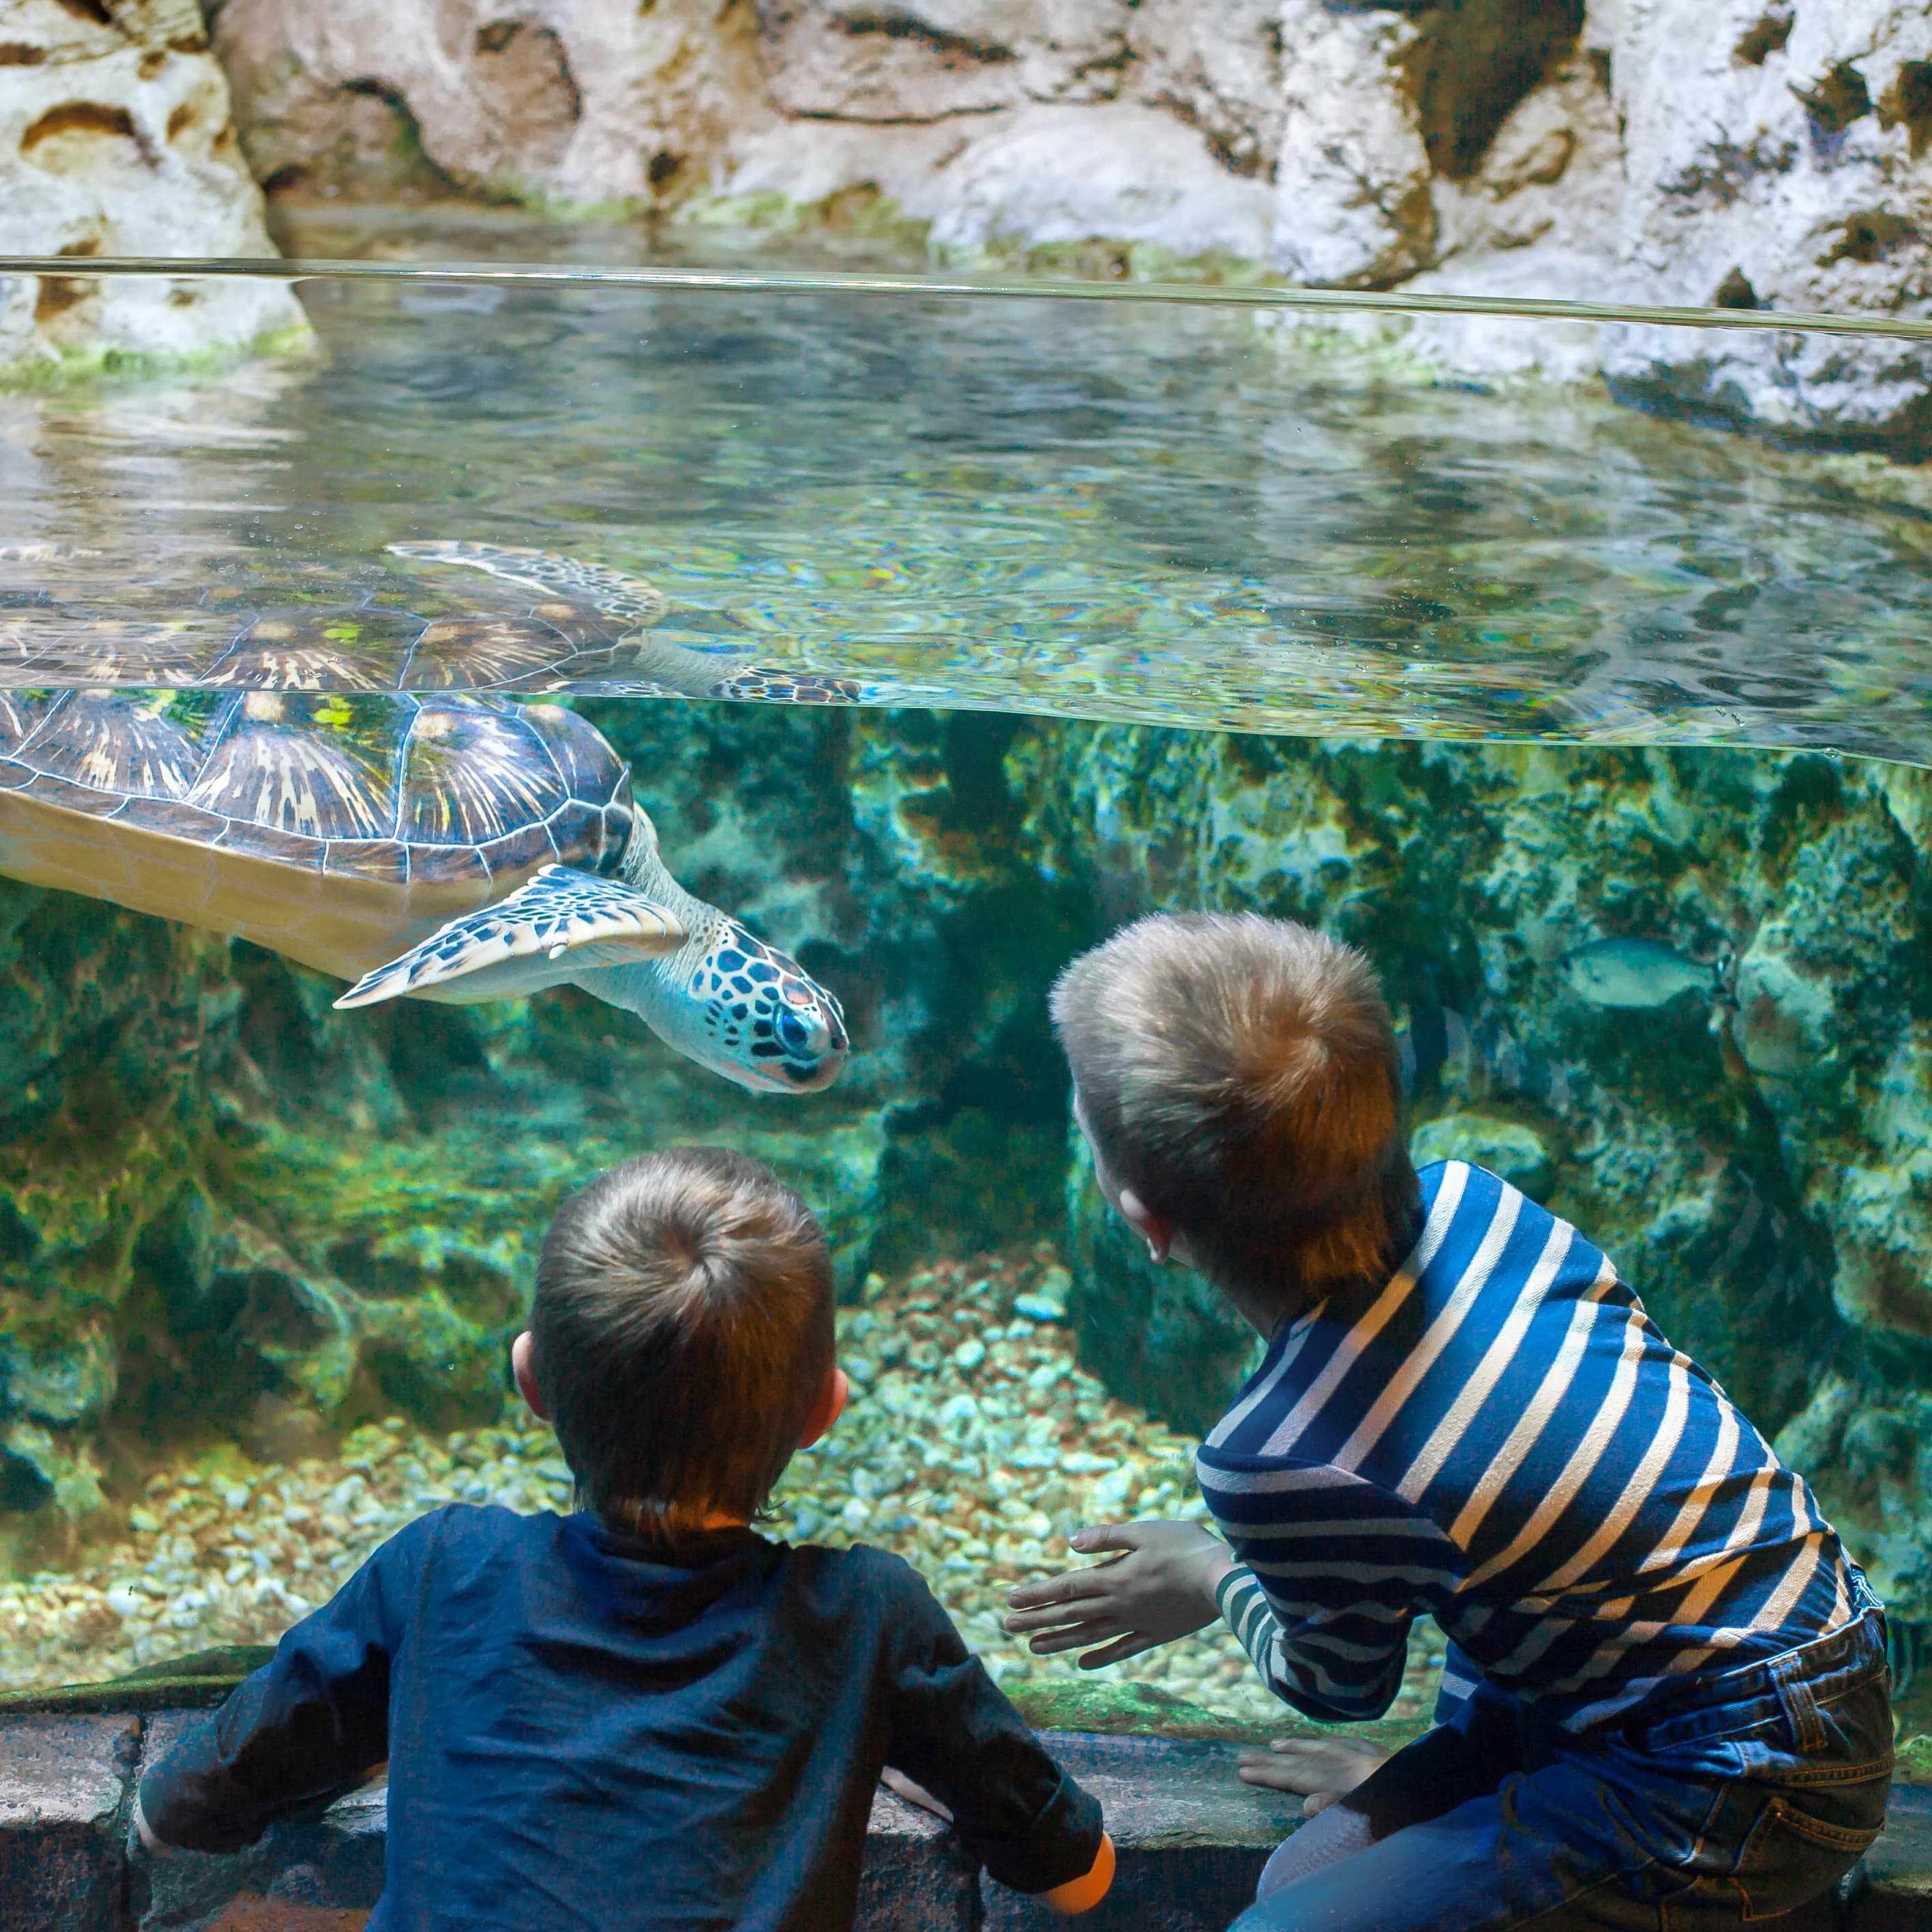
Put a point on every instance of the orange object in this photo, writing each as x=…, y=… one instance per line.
x=1082, y=1894
x=249, y=1914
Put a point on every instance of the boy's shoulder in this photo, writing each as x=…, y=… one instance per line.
x=862, y=1581
x=468, y=1530
x=860, y=1566
x=1466, y=1207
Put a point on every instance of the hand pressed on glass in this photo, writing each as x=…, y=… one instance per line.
x=1318, y=1769
x=1159, y=1587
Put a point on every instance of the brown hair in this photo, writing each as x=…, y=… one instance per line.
x=1240, y=1074
x=682, y=1329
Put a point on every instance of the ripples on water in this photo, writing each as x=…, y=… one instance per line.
x=1110, y=510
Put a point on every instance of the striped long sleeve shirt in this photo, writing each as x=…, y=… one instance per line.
x=1504, y=1440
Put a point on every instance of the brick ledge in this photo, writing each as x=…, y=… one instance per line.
x=1192, y=1839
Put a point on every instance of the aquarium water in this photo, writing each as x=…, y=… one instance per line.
x=940, y=631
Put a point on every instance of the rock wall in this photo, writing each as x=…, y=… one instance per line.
x=1685, y=997
x=1740, y=153
x=116, y=139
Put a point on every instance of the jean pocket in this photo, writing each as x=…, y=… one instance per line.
x=1803, y=1842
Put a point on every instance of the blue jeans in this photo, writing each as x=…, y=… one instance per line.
x=1730, y=1797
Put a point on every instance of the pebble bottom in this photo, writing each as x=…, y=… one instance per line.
x=973, y=1445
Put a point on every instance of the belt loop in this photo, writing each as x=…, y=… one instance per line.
x=1800, y=1707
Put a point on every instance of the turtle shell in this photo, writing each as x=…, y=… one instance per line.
x=388, y=788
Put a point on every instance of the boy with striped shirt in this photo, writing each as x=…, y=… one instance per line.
x=1667, y=1704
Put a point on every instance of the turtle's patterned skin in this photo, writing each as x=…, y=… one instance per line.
x=753, y=1000
x=449, y=846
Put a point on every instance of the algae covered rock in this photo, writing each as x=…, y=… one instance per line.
x=1507, y=1148
x=1158, y=1336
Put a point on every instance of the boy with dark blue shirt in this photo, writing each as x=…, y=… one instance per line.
x=645, y=1714
x=1666, y=1706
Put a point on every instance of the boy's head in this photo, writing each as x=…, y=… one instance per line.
x=681, y=1340
x=1239, y=1075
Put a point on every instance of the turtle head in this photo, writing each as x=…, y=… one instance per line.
x=752, y=1013
x=725, y=999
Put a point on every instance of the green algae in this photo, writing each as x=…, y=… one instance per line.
x=78, y=369
x=1121, y=1708
x=197, y=1682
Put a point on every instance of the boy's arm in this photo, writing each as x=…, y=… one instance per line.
x=313, y=1721
x=1297, y=1667
x=1333, y=1572
x=953, y=1732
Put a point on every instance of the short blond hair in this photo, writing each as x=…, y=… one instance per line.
x=1240, y=1074
x=682, y=1329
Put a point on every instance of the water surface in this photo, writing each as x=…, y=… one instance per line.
x=1075, y=507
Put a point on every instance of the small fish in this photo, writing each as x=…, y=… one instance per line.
x=1634, y=972
x=1434, y=1036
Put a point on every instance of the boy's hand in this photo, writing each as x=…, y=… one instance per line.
x=1320, y=1769
x=1160, y=1587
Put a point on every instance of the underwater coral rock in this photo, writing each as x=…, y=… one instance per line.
x=235, y=1211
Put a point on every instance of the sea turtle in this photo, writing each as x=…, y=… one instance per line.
x=439, y=844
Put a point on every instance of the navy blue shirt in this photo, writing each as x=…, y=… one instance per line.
x=584, y=1730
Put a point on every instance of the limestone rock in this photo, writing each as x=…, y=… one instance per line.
x=1351, y=198
x=929, y=58
x=116, y=139
x=1741, y=152
x=1123, y=173
x=1217, y=65
x=1776, y=158
x=576, y=100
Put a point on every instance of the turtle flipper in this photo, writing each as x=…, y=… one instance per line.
x=559, y=924
x=610, y=591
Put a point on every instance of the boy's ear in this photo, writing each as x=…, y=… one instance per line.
x=522, y=1366
x=827, y=1410
x=1155, y=1229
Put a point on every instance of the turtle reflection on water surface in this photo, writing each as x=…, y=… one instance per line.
x=436, y=845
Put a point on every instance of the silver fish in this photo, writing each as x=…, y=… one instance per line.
x=1634, y=972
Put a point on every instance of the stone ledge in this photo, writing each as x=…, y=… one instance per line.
x=1192, y=1839
x=64, y=1784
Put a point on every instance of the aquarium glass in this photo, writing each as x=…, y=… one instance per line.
x=940, y=633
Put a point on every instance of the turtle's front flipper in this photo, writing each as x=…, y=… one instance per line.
x=559, y=924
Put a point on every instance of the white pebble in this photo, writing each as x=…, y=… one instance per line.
x=1038, y=1308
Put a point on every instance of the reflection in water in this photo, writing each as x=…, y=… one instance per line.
x=1188, y=520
